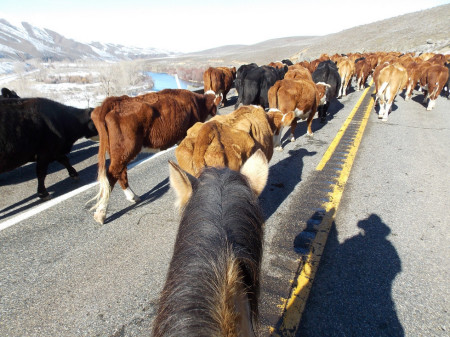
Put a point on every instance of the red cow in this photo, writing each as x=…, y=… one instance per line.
x=220, y=80
x=127, y=124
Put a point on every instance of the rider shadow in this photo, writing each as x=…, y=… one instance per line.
x=352, y=291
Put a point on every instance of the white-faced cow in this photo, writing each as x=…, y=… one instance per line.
x=127, y=124
x=302, y=97
x=40, y=130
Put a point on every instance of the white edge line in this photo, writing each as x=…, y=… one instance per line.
x=53, y=202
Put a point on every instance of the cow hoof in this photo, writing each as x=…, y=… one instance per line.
x=134, y=199
x=429, y=109
x=311, y=135
x=44, y=196
x=77, y=177
x=279, y=148
x=293, y=139
x=100, y=216
x=384, y=119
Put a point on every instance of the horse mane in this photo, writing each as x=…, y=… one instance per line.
x=217, y=252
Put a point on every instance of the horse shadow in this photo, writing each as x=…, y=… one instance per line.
x=352, y=290
x=283, y=177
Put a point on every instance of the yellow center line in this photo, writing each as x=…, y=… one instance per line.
x=326, y=157
x=295, y=305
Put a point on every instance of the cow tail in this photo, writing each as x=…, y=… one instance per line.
x=381, y=90
x=273, y=98
x=104, y=186
x=434, y=93
x=207, y=81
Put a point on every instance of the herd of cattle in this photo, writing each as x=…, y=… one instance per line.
x=270, y=97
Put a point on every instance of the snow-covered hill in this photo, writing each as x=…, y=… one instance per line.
x=28, y=42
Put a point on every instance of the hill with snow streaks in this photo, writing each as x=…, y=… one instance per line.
x=29, y=42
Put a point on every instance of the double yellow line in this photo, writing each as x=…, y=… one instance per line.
x=294, y=306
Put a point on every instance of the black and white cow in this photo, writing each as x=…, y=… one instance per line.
x=256, y=84
x=327, y=72
x=40, y=130
x=6, y=93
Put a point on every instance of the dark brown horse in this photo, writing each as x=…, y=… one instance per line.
x=212, y=285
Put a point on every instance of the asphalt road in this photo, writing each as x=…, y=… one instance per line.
x=62, y=274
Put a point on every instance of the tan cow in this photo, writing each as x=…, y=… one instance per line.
x=346, y=69
x=298, y=72
x=433, y=80
x=391, y=80
x=127, y=124
x=229, y=140
x=220, y=80
x=302, y=97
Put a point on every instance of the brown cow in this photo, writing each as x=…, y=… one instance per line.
x=346, y=69
x=433, y=80
x=391, y=80
x=229, y=140
x=298, y=72
x=155, y=121
x=302, y=97
x=363, y=69
x=220, y=80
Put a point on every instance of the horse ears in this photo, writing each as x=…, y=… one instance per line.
x=256, y=170
x=180, y=181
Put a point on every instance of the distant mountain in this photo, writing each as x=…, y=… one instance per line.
x=422, y=31
x=27, y=42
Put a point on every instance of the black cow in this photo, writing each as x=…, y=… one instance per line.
x=40, y=130
x=447, y=85
x=327, y=72
x=6, y=93
x=287, y=62
x=256, y=84
x=240, y=75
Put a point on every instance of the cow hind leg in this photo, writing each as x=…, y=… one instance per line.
x=106, y=180
x=293, y=126
x=41, y=172
x=309, y=123
x=129, y=194
x=65, y=162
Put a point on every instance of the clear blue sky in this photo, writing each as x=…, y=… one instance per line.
x=194, y=25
